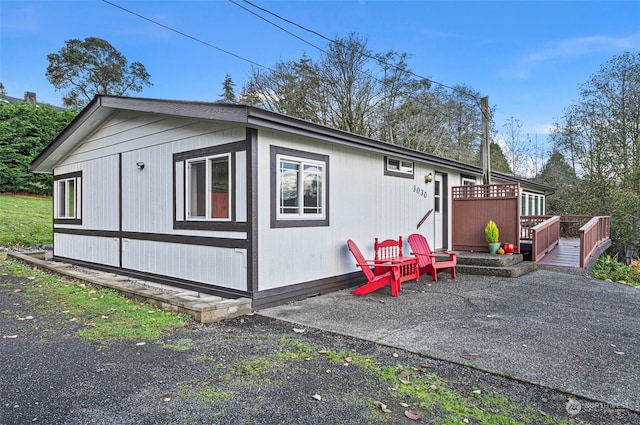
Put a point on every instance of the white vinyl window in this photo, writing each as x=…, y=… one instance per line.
x=532, y=204
x=67, y=198
x=395, y=165
x=208, y=183
x=301, y=189
x=468, y=181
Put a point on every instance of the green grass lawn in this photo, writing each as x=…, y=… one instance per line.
x=25, y=220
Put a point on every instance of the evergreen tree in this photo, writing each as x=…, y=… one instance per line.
x=25, y=130
x=228, y=95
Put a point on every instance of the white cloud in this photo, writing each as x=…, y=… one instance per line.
x=442, y=34
x=580, y=46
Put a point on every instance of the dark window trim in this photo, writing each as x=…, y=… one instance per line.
x=228, y=225
x=388, y=172
x=78, y=205
x=284, y=223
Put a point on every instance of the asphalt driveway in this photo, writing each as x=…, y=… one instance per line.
x=558, y=330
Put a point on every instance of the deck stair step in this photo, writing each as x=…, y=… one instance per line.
x=485, y=264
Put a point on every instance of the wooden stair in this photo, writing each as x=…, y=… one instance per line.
x=480, y=263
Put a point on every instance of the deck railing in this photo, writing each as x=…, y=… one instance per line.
x=592, y=236
x=544, y=232
x=544, y=236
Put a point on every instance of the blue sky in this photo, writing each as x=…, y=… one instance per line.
x=529, y=57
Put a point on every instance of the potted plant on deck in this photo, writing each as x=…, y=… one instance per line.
x=493, y=236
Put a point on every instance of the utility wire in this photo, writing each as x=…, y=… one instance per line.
x=290, y=33
x=187, y=35
x=277, y=26
x=364, y=53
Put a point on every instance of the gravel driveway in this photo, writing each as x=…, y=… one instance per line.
x=241, y=371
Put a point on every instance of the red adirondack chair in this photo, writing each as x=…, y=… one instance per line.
x=390, y=251
x=386, y=251
x=374, y=281
x=427, y=260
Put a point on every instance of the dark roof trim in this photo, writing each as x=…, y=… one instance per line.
x=253, y=117
x=74, y=125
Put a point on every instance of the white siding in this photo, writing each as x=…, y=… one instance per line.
x=241, y=187
x=147, y=198
x=364, y=204
x=224, y=267
x=92, y=249
x=99, y=204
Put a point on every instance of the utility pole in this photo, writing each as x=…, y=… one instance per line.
x=486, y=151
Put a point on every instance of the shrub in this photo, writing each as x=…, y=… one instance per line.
x=608, y=267
x=491, y=232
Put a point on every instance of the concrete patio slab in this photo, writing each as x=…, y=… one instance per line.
x=562, y=331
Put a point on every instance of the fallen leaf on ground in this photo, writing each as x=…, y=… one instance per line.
x=348, y=359
x=425, y=365
x=382, y=406
x=469, y=356
x=411, y=415
x=404, y=404
x=433, y=387
x=298, y=331
x=579, y=355
x=322, y=351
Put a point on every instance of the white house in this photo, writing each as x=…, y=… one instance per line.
x=235, y=200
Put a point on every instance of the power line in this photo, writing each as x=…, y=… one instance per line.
x=342, y=45
x=277, y=26
x=187, y=35
x=300, y=38
x=362, y=52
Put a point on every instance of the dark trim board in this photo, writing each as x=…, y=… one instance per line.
x=206, y=288
x=300, y=291
x=262, y=299
x=158, y=237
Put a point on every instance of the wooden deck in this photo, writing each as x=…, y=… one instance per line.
x=566, y=254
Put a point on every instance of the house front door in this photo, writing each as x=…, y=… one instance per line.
x=440, y=212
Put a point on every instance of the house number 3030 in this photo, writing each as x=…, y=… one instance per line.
x=419, y=191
